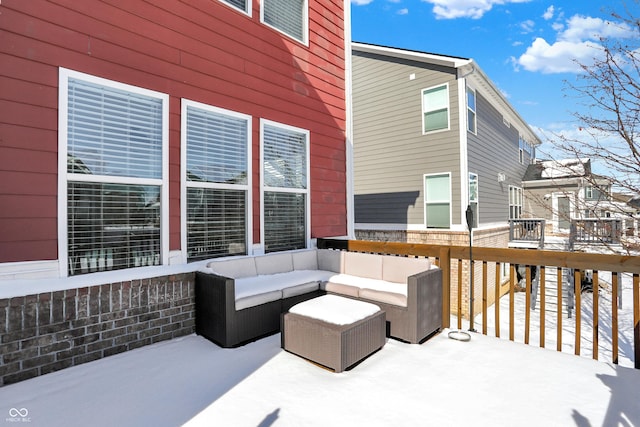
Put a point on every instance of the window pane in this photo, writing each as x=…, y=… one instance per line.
x=216, y=147
x=113, y=132
x=471, y=121
x=112, y=226
x=216, y=223
x=285, y=158
x=436, y=98
x=471, y=99
x=438, y=215
x=437, y=188
x=240, y=4
x=436, y=120
x=286, y=15
x=284, y=221
x=473, y=187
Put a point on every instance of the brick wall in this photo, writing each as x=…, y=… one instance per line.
x=54, y=330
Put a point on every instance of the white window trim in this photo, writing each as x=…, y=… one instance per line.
x=247, y=12
x=183, y=173
x=475, y=110
x=450, y=200
x=477, y=201
x=422, y=91
x=305, y=24
x=306, y=191
x=520, y=192
x=63, y=176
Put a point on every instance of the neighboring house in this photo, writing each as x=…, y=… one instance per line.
x=432, y=136
x=559, y=191
x=139, y=137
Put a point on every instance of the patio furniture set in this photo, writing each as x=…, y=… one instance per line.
x=332, y=307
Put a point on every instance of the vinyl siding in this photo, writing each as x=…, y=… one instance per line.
x=200, y=50
x=391, y=154
x=494, y=150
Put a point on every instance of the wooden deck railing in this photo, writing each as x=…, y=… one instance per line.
x=527, y=230
x=596, y=230
x=545, y=261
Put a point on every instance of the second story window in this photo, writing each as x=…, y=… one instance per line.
x=471, y=110
x=515, y=202
x=243, y=5
x=435, y=108
x=287, y=16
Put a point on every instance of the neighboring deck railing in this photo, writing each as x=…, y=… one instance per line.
x=596, y=231
x=554, y=261
x=529, y=230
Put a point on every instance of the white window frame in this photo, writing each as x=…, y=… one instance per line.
x=65, y=177
x=425, y=202
x=305, y=23
x=306, y=191
x=185, y=184
x=472, y=110
x=424, y=110
x=518, y=203
x=247, y=11
x=476, y=216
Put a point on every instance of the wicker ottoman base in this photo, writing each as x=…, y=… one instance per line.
x=334, y=346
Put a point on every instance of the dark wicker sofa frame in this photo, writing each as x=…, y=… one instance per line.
x=219, y=321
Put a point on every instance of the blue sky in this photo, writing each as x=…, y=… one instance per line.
x=527, y=48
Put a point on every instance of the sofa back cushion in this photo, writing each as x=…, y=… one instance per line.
x=305, y=260
x=397, y=268
x=330, y=260
x=234, y=268
x=363, y=265
x=274, y=263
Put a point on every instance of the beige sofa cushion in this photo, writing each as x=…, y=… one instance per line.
x=382, y=296
x=397, y=269
x=363, y=265
x=305, y=260
x=339, y=288
x=330, y=260
x=274, y=263
x=234, y=268
x=257, y=299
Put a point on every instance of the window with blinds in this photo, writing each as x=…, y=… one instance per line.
x=217, y=181
x=114, y=149
x=243, y=5
x=285, y=157
x=437, y=198
x=435, y=108
x=287, y=16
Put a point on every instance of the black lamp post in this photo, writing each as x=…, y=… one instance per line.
x=470, y=226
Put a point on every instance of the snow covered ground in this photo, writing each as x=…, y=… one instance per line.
x=483, y=382
x=190, y=381
x=605, y=333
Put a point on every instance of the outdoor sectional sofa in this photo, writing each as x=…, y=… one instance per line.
x=241, y=299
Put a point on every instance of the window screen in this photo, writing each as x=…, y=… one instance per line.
x=435, y=106
x=287, y=16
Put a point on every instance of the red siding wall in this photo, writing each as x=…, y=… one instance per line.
x=202, y=50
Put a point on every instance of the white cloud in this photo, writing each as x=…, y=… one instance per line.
x=361, y=2
x=527, y=26
x=576, y=43
x=548, y=14
x=404, y=11
x=559, y=57
x=474, y=9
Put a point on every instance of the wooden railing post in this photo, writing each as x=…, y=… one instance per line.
x=445, y=266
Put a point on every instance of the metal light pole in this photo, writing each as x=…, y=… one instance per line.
x=470, y=226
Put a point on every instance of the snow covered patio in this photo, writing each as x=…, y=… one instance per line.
x=190, y=381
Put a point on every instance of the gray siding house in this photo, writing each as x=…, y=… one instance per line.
x=433, y=135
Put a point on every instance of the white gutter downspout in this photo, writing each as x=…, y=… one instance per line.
x=349, y=121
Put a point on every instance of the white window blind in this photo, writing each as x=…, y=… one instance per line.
x=288, y=16
x=240, y=4
x=284, y=168
x=438, y=201
x=114, y=177
x=435, y=107
x=217, y=182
